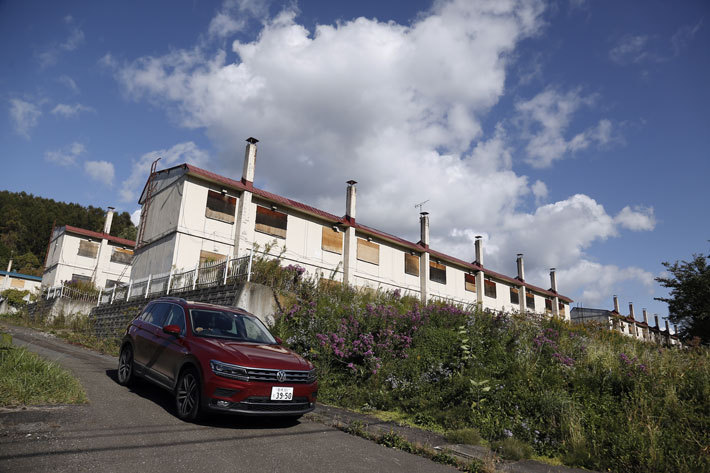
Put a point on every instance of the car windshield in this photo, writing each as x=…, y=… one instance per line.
x=229, y=325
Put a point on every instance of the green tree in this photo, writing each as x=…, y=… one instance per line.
x=689, y=298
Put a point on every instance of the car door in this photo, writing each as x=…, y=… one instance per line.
x=170, y=349
x=145, y=339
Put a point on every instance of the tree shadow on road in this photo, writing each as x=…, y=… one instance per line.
x=166, y=401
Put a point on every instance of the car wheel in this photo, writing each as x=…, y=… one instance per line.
x=125, y=366
x=187, y=395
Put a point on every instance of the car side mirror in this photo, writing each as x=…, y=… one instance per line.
x=172, y=330
x=279, y=341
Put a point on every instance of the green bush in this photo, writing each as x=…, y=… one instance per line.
x=468, y=436
x=592, y=397
x=512, y=449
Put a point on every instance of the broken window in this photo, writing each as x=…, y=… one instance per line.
x=437, y=272
x=489, y=288
x=220, y=207
x=79, y=277
x=530, y=300
x=332, y=241
x=548, y=305
x=368, y=251
x=88, y=248
x=271, y=222
x=561, y=308
x=119, y=255
x=470, y=282
x=514, y=295
x=411, y=264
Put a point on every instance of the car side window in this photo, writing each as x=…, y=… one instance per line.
x=254, y=333
x=157, y=314
x=176, y=316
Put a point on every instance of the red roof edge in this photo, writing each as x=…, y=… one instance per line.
x=99, y=235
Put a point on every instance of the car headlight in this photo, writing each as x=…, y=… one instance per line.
x=312, y=375
x=229, y=371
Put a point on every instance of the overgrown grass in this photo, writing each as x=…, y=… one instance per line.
x=583, y=395
x=27, y=379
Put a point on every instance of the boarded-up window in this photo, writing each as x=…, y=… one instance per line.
x=470, y=282
x=437, y=272
x=489, y=288
x=332, y=241
x=210, y=257
x=220, y=207
x=514, y=295
x=411, y=264
x=271, y=222
x=548, y=305
x=17, y=283
x=119, y=255
x=368, y=251
x=88, y=249
x=79, y=277
x=530, y=300
x=110, y=283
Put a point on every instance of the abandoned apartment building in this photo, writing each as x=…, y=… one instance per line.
x=77, y=254
x=627, y=324
x=190, y=215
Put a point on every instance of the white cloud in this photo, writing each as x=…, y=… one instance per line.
x=101, y=171
x=25, y=116
x=234, y=16
x=630, y=49
x=684, y=35
x=70, y=111
x=66, y=156
x=596, y=282
x=136, y=217
x=69, y=83
x=398, y=108
x=51, y=54
x=182, y=152
x=545, y=119
x=638, y=218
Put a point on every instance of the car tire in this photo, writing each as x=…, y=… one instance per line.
x=126, y=375
x=188, y=395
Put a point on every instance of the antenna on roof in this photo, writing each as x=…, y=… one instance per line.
x=420, y=205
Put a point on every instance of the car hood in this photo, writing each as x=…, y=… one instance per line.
x=255, y=355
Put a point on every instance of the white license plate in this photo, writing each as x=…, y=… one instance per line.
x=279, y=393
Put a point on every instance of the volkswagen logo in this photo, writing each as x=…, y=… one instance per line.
x=281, y=376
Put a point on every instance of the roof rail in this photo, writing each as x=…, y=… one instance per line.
x=172, y=298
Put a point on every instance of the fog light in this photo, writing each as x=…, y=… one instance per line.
x=221, y=403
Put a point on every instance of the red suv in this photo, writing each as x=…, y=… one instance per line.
x=215, y=358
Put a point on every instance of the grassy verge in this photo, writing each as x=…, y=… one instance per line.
x=27, y=379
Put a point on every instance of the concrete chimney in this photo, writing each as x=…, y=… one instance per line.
x=249, y=160
x=631, y=310
x=668, y=329
x=479, y=250
x=553, y=280
x=616, y=304
x=424, y=231
x=645, y=317
x=9, y=265
x=521, y=267
x=350, y=201
x=658, y=326
x=109, y=220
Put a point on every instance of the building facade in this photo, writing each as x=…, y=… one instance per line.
x=190, y=216
x=627, y=325
x=84, y=255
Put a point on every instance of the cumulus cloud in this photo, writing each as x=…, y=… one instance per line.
x=70, y=111
x=101, y=171
x=234, y=16
x=66, y=156
x=545, y=119
x=25, y=116
x=400, y=109
x=596, y=282
x=638, y=218
x=187, y=152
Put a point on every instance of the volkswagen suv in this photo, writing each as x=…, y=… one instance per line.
x=215, y=358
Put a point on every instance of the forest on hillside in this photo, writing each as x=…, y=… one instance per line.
x=26, y=223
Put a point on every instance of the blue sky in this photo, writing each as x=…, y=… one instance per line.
x=573, y=132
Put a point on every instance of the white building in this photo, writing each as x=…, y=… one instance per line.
x=79, y=254
x=23, y=282
x=190, y=215
x=627, y=324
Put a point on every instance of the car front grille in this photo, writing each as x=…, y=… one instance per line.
x=266, y=375
x=264, y=404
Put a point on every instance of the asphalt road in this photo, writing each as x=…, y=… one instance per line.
x=135, y=429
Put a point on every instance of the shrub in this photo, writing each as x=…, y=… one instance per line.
x=468, y=436
x=512, y=449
